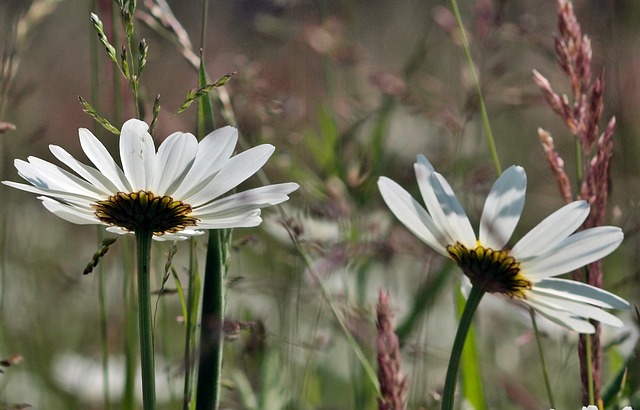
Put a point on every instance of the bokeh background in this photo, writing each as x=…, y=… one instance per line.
x=347, y=91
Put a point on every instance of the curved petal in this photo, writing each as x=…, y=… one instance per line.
x=178, y=236
x=579, y=292
x=574, y=252
x=45, y=175
x=412, y=214
x=242, y=220
x=243, y=201
x=503, y=208
x=100, y=157
x=92, y=175
x=137, y=153
x=577, y=309
x=69, y=213
x=214, y=152
x=78, y=200
x=444, y=208
x=551, y=231
x=236, y=170
x=173, y=161
x=562, y=318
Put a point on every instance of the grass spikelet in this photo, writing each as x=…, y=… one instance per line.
x=104, y=248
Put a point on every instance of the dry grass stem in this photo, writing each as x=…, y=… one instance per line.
x=393, y=384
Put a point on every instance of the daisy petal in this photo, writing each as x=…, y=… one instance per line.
x=444, y=208
x=503, y=208
x=45, y=175
x=243, y=201
x=237, y=170
x=562, y=318
x=74, y=199
x=553, y=229
x=574, y=252
x=173, y=160
x=580, y=292
x=92, y=175
x=411, y=214
x=577, y=309
x=245, y=220
x=137, y=153
x=214, y=152
x=100, y=157
x=68, y=213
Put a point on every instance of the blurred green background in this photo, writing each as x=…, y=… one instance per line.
x=346, y=91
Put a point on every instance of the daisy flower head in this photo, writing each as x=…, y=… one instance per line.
x=174, y=192
x=525, y=272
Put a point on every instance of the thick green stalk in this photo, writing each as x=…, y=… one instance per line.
x=456, y=353
x=143, y=241
x=211, y=334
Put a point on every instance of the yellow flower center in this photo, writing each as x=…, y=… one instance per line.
x=491, y=270
x=144, y=210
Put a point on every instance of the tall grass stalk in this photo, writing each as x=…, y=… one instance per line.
x=476, y=82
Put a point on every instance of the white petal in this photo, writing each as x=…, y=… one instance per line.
x=563, y=318
x=173, y=160
x=574, y=252
x=236, y=171
x=576, y=309
x=580, y=292
x=137, y=153
x=95, y=177
x=45, y=175
x=178, y=236
x=100, y=157
x=444, y=208
x=246, y=220
x=412, y=214
x=74, y=199
x=246, y=200
x=553, y=229
x=68, y=213
x=503, y=208
x=214, y=152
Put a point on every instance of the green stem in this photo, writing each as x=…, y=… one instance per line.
x=190, y=315
x=588, y=353
x=545, y=373
x=476, y=82
x=143, y=241
x=456, y=353
x=211, y=334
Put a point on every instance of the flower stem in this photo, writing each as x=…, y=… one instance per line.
x=143, y=241
x=456, y=353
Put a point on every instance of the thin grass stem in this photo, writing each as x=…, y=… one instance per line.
x=476, y=81
x=545, y=372
x=588, y=354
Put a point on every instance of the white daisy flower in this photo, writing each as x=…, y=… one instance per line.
x=526, y=271
x=174, y=192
